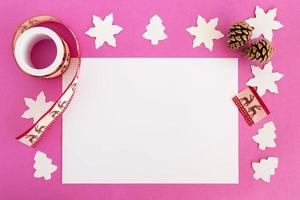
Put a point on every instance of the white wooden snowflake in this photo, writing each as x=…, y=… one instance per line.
x=36, y=108
x=264, y=79
x=155, y=30
x=265, y=137
x=104, y=31
x=264, y=23
x=205, y=32
x=265, y=168
x=43, y=166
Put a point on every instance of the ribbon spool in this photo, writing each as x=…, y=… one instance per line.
x=26, y=36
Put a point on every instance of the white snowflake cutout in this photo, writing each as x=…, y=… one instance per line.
x=36, y=108
x=205, y=32
x=265, y=137
x=264, y=79
x=155, y=30
x=264, y=23
x=43, y=166
x=265, y=168
x=104, y=31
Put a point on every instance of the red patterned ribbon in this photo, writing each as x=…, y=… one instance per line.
x=33, y=135
x=251, y=105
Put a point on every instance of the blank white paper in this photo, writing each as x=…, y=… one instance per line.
x=152, y=120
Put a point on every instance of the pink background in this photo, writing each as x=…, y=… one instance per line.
x=16, y=160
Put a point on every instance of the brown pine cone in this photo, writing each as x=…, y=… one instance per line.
x=239, y=34
x=260, y=51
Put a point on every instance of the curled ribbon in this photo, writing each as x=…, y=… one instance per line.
x=33, y=135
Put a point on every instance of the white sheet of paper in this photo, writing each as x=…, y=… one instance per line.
x=152, y=120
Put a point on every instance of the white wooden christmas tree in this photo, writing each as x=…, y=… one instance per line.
x=155, y=30
x=265, y=137
x=43, y=166
x=265, y=168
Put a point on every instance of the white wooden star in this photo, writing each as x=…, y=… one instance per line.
x=264, y=79
x=205, y=32
x=264, y=23
x=104, y=31
x=36, y=108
